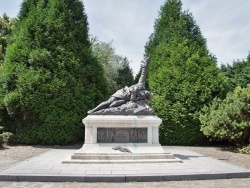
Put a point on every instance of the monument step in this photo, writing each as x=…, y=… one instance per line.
x=120, y=156
x=77, y=161
x=78, y=153
x=121, y=153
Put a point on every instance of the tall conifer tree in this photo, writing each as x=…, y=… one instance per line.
x=50, y=78
x=182, y=74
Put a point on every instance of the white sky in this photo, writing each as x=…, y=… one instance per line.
x=128, y=23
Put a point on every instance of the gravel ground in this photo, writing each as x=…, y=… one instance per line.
x=14, y=154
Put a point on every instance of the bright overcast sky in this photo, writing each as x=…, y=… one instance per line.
x=128, y=23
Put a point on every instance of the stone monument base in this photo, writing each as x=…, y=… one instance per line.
x=121, y=139
x=104, y=153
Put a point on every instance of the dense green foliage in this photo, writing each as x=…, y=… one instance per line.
x=50, y=77
x=228, y=119
x=238, y=74
x=1, y=129
x=182, y=75
x=116, y=68
x=125, y=75
x=6, y=26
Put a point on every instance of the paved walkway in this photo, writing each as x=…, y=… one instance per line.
x=48, y=167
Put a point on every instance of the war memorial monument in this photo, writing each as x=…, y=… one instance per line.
x=123, y=129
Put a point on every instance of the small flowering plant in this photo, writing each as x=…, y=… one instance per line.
x=5, y=136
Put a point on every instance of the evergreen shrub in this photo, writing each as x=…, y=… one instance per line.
x=228, y=119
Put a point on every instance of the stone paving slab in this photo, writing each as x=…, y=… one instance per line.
x=49, y=167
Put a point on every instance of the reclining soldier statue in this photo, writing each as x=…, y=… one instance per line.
x=129, y=99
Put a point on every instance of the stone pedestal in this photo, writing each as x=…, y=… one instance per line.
x=118, y=127
x=121, y=139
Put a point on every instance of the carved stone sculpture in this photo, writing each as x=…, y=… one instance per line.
x=128, y=100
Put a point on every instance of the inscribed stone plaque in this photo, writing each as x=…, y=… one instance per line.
x=122, y=135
